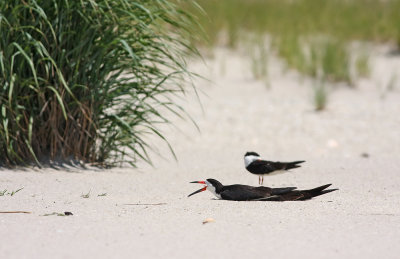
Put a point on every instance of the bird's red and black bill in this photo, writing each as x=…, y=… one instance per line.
x=200, y=190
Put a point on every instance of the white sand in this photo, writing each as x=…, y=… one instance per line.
x=361, y=220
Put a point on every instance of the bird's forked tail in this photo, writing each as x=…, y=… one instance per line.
x=291, y=165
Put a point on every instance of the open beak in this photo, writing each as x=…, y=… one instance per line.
x=201, y=190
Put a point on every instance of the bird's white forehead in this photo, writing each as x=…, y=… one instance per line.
x=249, y=159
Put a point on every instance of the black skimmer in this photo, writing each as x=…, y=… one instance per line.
x=239, y=192
x=255, y=165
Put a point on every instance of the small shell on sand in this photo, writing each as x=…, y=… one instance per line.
x=208, y=220
x=332, y=143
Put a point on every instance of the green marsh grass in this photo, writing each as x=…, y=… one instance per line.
x=87, y=80
x=335, y=60
x=316, y=56
x=290, y=49
x=259, y=58
x=290, y=23
x=320, y=96
x=362, y=65
x=391, y=85
x=346, y=20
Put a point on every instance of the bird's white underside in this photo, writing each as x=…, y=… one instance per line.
x=276, y=172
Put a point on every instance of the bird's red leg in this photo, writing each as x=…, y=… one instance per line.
x=262, y=180
x=259, y=180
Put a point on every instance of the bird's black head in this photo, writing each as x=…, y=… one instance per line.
x=217, y=185
x=251, y=154
x=211, y=184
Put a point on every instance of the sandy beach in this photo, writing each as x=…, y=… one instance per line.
x=145, y=213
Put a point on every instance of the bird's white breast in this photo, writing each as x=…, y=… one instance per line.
x=249, y=159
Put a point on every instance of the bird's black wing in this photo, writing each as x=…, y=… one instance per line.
x=300, y=195
x=240, y=192
x=281, y=191
x=261, y=167
x=266, y=167
x=286, y=165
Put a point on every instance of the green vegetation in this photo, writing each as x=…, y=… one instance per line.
x=320, y=96
x=342, y=19
x=87, y=80
x=4, y=192
x=392, y=83
x=259, y=58
x=316, y=56
x=85, y=196
x=310, y=35
x=62, y=214
x=362, y=65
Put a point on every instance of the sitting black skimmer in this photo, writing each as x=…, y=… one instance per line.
x=238, y=192
x=255, y=165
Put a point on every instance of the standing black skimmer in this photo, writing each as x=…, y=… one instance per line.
x=255, y=165
x=239, y=192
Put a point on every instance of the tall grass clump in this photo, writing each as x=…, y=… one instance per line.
x=335, y=61
x=316, y=56
x=320, y=95
x=331, y=57
x=362, y=65
x=259, y=57
x=290, y=49
x=87, y=80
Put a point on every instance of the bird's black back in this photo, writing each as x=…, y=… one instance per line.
x=266, y=167
x=239, y=192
